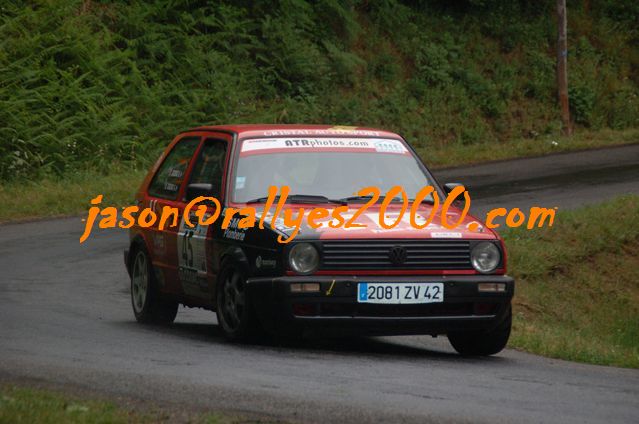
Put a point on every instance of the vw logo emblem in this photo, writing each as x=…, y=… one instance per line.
x=397, y=255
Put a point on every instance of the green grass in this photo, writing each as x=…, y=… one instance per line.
x=577, y=295
x=55, y=196
x=27, y=405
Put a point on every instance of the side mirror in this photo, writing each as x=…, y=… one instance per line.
x=197, y=190
x=448, y=187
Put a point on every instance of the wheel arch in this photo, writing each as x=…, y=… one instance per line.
x=136, y=243
x=235, y=255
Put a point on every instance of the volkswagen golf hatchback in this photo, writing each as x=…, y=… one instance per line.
x=364, y=278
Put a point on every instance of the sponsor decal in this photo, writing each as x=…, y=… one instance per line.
x=442, y=234
x=265, y=263
x=176, y=173
x=159, y=246
x=233, y=232
x=326, y=143
x=389, y=146
x=330, y=131
x=170, y=187
x=191, y=244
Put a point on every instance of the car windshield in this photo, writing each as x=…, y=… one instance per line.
x=335, y=168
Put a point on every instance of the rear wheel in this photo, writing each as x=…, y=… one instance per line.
x=234, y=313
x=482, y=343
x=149, y=306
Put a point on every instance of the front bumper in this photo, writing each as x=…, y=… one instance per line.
x=336, y=310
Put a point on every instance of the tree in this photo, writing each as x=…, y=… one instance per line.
x=562, y=67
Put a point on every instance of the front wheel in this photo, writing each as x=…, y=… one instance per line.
x=149, y=306
x=234, y=313
x=482, y=343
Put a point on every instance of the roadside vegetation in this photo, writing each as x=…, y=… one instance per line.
x=56, y=196
x=86, y=85
x=577, y=295
x=21, y=404
x=24, y=200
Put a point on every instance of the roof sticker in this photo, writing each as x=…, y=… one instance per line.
x=297, y=144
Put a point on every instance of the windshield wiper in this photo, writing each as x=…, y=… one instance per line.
x=366, y=198
x=300, y=198
x=354, y=198
x=262, y=199
x=312, y=198
x=428, y=199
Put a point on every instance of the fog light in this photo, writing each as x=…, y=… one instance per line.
x=305, y=287
x=491, y=287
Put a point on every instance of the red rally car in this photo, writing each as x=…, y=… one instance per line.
x=365, y=279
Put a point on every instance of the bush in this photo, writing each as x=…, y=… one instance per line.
x=85, y=84
x=582, y=102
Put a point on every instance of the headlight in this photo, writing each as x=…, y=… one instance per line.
x=303, y=258
x=485, y=257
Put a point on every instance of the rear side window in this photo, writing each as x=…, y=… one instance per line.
x=167, y=181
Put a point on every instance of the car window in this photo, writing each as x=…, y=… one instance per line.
x=168, y=179
x=337, y=171
x=209, y=167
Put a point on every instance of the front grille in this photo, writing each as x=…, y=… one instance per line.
x=430, y=254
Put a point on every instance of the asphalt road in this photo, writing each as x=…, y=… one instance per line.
x=65, y=317
x=565, y=180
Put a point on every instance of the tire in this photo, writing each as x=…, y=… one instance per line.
x=149, y=306
x=235, y=315
x=482, y=343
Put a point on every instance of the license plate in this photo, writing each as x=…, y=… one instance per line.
x=400, y=293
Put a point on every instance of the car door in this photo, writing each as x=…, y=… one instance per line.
x=165, y=191
x=196, y=268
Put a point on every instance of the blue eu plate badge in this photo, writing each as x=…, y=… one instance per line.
x=363, y=292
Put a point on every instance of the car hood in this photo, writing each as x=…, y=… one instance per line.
x=371, y=228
